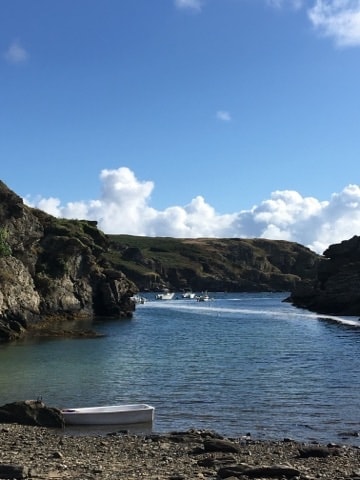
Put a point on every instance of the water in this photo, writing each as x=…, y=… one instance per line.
x=241, y=363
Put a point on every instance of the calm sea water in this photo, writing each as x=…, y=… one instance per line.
x=240, y=363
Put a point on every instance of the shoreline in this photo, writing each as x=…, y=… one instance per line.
x=38, y=452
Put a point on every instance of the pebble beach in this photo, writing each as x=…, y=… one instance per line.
x=41, y=453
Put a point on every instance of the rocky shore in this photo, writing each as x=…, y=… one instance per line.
x=40, y=453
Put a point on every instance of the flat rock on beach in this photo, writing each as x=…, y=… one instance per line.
x=41, y=453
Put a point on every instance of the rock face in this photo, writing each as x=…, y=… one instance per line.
x=53, y=269
x=336, y=288
x=231, y=264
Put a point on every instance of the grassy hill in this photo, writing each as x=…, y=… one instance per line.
x=229, y=264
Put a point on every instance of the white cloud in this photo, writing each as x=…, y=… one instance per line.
x=189, y=4
x=339, y=19
x=336, y=19
x=124, y=207
x=223, y=116
x=50, y=205
x=16, y=54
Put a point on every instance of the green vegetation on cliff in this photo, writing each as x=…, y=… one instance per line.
x=5, y=248
x=230, y=264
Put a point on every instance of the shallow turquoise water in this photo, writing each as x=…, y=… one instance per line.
x=241, y=363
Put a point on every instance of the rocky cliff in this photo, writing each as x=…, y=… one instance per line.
x=336, y=288
x=232, y=264
x=52, y=269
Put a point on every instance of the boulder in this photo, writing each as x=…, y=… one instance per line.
x=14, y=471
x=31, y=412
x=266, y=471
x=318, y=452
x=219, y=445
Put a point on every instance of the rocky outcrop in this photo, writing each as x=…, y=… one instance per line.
x=19, y=300
x=53, y=269
x=31, y=412
x=336, y=288
x=231, y=264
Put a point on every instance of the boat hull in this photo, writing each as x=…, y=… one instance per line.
x=203, y=298
x=165, y=296
x=109, y=415
x=189, y=295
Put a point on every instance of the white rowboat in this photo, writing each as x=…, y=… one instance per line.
x=109, y=415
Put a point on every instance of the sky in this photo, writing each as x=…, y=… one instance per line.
x=185, y=118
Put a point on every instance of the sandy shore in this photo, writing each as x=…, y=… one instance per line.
x=36, y=452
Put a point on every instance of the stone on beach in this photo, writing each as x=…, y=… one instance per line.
x=37, y=452
x=31, y=412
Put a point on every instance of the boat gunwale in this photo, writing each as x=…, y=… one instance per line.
x=108, y=409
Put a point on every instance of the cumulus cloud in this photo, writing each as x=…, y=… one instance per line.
x=223, y=115
x=124, y=207
x=189, y=4
x=336, y=19
x=16, y=54
x=339, y=19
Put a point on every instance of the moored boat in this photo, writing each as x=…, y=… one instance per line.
x=109, y=415
x=203, y=298
x=138, y=299
x=188, y=295
x=165, y=295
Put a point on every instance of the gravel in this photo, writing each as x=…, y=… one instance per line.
x=40, y=453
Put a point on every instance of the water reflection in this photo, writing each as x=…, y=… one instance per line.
x=102, y=430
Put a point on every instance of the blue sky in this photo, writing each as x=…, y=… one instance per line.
x=185, y=118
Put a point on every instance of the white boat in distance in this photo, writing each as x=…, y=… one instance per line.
x=109, y=415
x=138, y=299
x=165, y=296
x=188, y=295
x=203, y=298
